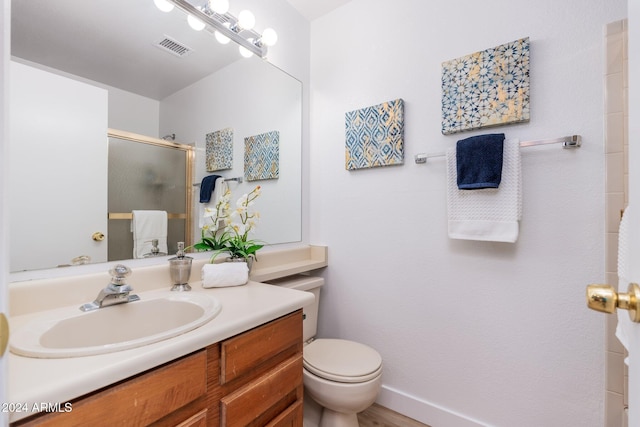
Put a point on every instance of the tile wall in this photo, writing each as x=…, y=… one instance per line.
x=617, y=182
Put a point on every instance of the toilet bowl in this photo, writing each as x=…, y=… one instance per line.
x=344, y=377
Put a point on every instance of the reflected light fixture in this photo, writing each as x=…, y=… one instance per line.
x=246, y=53
x=195, y=23
x=214, y=14
x=222, y=39
x=163, y=5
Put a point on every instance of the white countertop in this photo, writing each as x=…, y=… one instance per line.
x=35, y=381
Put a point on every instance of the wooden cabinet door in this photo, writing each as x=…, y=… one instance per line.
x=266, y=398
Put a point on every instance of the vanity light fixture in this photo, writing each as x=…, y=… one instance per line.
x=214, y=14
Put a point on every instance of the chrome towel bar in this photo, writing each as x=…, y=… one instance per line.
x=573, y=141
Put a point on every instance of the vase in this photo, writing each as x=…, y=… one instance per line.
x=249, y=261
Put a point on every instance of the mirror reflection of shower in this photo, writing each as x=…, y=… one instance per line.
x=147, y=174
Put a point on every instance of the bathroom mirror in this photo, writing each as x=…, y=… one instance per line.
x=139, y=87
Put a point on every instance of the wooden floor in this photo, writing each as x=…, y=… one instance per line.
x=379, y=416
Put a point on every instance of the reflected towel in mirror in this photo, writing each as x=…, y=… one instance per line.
x=220, y=187
x=146, y=226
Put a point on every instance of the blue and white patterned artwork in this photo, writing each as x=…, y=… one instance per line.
x=262, y=156
x=219, y=150
x=487, y=88
x=375, y=136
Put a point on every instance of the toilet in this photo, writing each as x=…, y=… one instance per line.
x=343, y=377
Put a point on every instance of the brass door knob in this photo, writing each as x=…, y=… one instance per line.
x=604, y=298
x=98, y=236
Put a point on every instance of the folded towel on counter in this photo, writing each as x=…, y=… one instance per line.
x=625, y=326
x=220, y=186
x=207, y=186
x=479, y=161
x=489, y=214
x=224, y=274
x=147, y=226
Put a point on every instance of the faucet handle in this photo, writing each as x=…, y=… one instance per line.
x=118, y=274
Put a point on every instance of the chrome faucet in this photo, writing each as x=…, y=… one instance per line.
x=117, y=292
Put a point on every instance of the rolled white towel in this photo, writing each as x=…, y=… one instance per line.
x=224, y=274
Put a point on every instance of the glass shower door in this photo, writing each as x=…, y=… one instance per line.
x=147, y=176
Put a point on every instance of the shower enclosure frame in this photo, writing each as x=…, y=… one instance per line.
x=189, y=151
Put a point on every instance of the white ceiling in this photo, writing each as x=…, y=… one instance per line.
x=312, y=9
x=97, y=41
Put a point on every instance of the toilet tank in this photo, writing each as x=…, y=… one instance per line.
x=310, y=312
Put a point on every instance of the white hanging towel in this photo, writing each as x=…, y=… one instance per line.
x=147, y=226
x=218, y=191
x=624, y=323
x=490, y=214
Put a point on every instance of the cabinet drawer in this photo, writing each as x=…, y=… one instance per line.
x=139, y=401
x=241, y=354
x=292, y=417
x=197, y=420
x=265, y=399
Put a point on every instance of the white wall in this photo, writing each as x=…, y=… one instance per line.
x=471, y=333
x=133, y=113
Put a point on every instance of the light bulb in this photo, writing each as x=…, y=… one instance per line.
x=246, y=20
x=219, y=6
x=195, y=23
x=222, y=39
x=163, y=5
x=269, y=36
x=245, y=52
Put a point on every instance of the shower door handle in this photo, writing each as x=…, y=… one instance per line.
x=604, y=298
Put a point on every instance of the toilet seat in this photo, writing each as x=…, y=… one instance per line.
x=342, y=360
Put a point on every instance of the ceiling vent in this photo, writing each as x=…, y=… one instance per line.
x=174, y=47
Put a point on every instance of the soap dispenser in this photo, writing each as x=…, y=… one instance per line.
x=180, y=270
x=155, y=250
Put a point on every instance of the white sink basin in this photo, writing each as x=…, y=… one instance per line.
x=69, y=332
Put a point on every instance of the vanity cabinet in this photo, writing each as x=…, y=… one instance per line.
x=251, y=379
x=261, y=375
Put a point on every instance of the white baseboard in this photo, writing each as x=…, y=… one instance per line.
x=426, y=412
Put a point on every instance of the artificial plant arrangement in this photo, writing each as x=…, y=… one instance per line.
x=229, y=230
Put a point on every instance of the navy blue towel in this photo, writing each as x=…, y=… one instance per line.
x=207, y=186
x=479, y=161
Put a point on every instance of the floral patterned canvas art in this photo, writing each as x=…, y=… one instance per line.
x=219, y=150
x=487, y=88
x=375, y=136
x=262, y=156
